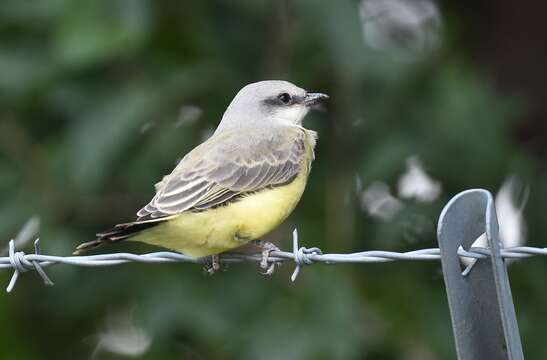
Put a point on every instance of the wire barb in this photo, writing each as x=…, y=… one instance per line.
x=302, y=255
x=21, y=264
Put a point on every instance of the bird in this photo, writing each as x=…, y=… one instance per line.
x=238, y=185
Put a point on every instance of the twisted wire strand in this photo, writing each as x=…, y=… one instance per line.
x=301, y=256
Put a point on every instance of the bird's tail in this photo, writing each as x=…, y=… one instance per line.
x=118, y=233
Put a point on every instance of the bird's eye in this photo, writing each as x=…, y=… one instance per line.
x=285, y=98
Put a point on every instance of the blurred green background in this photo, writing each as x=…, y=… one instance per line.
x=99, y=99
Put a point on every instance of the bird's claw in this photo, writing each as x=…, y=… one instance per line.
x=269, y=269
x=267, y=249
x=214, y=266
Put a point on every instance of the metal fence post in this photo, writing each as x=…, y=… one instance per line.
x=481, y=305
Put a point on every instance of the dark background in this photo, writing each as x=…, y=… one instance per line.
x=98, y=100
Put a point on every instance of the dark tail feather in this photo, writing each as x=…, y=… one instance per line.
x=118, y=233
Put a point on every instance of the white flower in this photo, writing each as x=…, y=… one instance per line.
x=411, y=26
x=188, y=115
x=415, y=183
x=509, y=209
x=122, y=336
x=378, y=202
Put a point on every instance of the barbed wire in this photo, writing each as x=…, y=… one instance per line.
x=21, y=262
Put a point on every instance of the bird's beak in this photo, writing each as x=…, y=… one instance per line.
x=312, y=99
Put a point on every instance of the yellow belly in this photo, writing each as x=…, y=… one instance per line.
x=213, y=231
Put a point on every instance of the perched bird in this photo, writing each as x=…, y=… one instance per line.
x=236, y=186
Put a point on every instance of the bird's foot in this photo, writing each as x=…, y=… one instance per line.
x=213, y=266
x=267, y=248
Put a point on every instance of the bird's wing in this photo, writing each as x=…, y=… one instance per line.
x=227, y=165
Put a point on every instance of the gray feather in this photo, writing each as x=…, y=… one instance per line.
x=212, y=173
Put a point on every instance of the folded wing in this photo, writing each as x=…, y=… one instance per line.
x=226, y=166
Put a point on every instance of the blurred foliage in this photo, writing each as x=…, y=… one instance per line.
x=90, y=119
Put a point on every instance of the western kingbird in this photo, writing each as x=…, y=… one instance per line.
x=236, y=186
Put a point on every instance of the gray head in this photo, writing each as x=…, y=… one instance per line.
x=269, y=103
